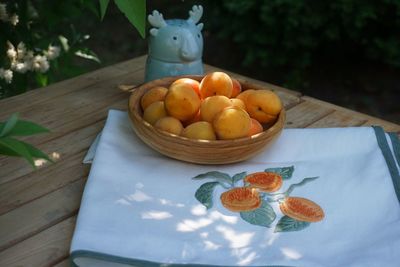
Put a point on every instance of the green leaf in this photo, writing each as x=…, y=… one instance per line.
x=205, y=194
x=8, y=125
x=17, y=147
x=287, y=224
x=263, y=216
x=285, y=172
x=103, y=7
x=216, y=175
x=41, y=79
x=8, y=151
x=23, y=128
x=238, y=176
x=36, y=153
x=135, y=11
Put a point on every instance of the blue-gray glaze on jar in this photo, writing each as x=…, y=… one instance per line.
x=175, y=46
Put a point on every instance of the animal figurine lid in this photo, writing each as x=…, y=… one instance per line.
x=175, y=45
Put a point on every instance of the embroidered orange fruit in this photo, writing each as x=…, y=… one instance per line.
x=265, y=181
x=302, y=209
x=241, y=199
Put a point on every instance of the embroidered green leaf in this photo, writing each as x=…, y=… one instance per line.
x=285, y=172
x=263, y=216
x=287, y=224
x=221, y=176
x=205, y=194
x=238, y=176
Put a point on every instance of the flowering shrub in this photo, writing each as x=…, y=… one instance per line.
x=38, y=43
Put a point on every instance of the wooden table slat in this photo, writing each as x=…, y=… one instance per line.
x=337, y=119
x=47, y=94
x=64, y=263
x=65, y=146
x=18, y=192
x=39, y=214
x=388, y=126
x=305, y=113
x=44, y=249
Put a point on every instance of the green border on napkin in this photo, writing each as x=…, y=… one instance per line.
x=141, y=263
x=396, y=146
x=388, y=155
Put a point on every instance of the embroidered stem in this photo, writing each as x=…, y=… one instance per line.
x=279, y=197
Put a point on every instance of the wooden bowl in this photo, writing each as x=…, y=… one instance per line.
x=199, y=151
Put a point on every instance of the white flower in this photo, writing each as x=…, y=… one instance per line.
x=21, y=67
x=21, y=50
x=14, y=19
x=8, y=75
x=3, y=12
x=28, y=56
x=52, y=52
x=40, y=63
x=11, y=53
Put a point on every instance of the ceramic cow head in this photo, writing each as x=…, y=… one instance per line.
x=176, y=40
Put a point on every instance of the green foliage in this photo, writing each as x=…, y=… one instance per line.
x=134, y=10
x=10, y=146
x=45, y=41
x=290, y=35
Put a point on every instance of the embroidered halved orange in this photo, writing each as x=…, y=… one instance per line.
x=302, y=209
x=241, y=199
x=265, y=181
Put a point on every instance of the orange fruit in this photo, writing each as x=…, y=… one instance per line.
x=265, y=181
x=302, y=209
x=241, y=199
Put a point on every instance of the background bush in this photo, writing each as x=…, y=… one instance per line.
x=292, y=35
x=39, y=25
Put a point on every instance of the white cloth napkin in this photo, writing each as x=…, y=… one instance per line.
x=140, y=208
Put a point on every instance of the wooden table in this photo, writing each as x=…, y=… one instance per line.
x=38, y=208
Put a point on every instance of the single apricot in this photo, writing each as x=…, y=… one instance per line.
x=154, y=112
x=193, y=83
x=302, y=209
x=213, y=105
x=236, y=102
x=263, y=105
x=232, y=123
x=265, y=181
x=201, y=130
x=182, y=102
x=216, y=83
x=169, y=124
x=237, y=88
x=244, y=94
x=152, y=95
x=255, y=128
x=241, y=199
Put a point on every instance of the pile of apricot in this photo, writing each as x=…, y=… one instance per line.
x=214, y=108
